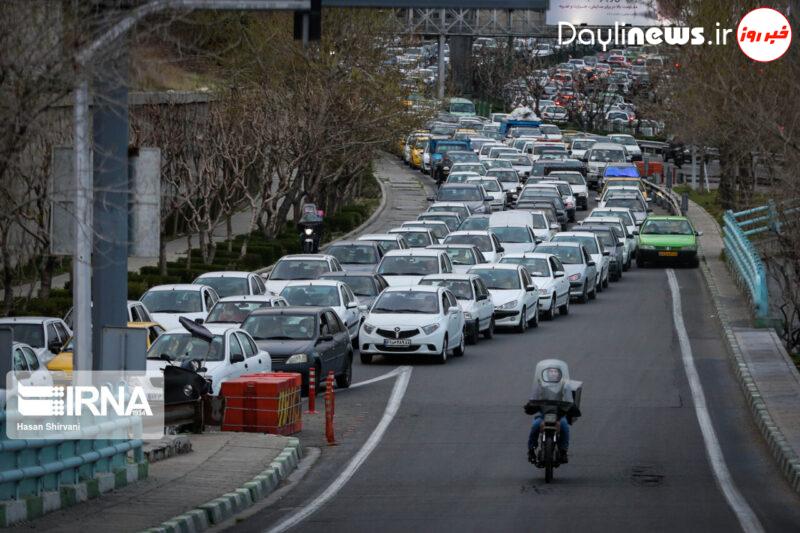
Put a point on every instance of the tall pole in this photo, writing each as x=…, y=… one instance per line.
x=442, y=67
x=82, y=261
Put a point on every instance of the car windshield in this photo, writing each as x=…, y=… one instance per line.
x=503, y=176
x=621, y=183
x=462, y=107
x=388, y=244
x=525, y=132
x=474, y=224
x=460, y=256
x=30, y=334
x=589, y=243
x=582, y=145
x=631, y=203
x=498, y=163
x=535, y=265
x=444, y=148
x=548, y=149
x=287, y=269
x=667, y=227
x=461, y=288
x=571, y=178
x=512, y=234
x=607, y=238
x=476, y=167
x=462, y=157
x=569, y=255
x=184, y=347
x=312, y=295
x=624, y=216
x=483, y=242
x=354, y=254
x=173, y=301
x=606, y=155
x=439, y=230
x=459, y=177
x=627, y=141
x=490, y=185
x=409, y=265
x=459, y=194
x=225, y=286
x=407, y=302
x=360, y=285
x=539, y=221
x=233, y=311
x=417, y=239
x=499, y=279
x=281, y=327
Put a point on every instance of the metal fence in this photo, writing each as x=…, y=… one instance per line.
x=743, y=255
x=30, y=467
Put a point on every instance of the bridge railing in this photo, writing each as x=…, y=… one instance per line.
x=664, y=197
x=743, y=256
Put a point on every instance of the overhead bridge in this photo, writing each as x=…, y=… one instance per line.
x=476, y=22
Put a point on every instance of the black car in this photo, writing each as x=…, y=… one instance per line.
x=365, y=286
x=299, y=338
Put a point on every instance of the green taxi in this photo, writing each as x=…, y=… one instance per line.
x=667, y=239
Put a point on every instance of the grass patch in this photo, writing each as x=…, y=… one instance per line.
x=706, y=199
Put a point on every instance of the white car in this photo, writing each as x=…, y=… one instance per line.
x=167, y=303
x=514, y=294
x=232, y=283
x=579, y=147
x=509, y=180
x=630, y=144
x=137, y=312
x=494, y=189
x=327, y=293
x=462, y=256
x=626, y=238
x=438, y=228
x=27, y=368
x=633, y=203
x=45, y=335
x=536, y=220
x=416, y=237
x=387, y=241
x=461, y=176
x=626, y=217
x=486, y=241
x=600, y=256
x=221, y=351
x=515, y=238
x=420, y=320
x=234, y=309
x=578, y=184
x=473, y=299
x=300, y=267
x=404, y=268
x=483, y=154
x=550, y=278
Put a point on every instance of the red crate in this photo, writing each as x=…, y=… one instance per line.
x=265, y=402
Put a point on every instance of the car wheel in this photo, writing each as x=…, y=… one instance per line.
x=551, y=312
x=534, y=322
x=476, y=333
x=605, y=282
x=489, y=333
x=459, y=350
x=563, y=310
x=695, y=262
x=441, y=358
x=640, y=263
x=523, y=322
x=584, y=297
x=593, y=293
x=344, y=379
x=366, y=358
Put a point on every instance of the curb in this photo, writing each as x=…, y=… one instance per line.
x=787, y=459
x=228, y=505
x=32, y=507
x=375, y=214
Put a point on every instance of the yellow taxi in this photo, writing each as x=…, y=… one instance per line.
x=417, y=150
x=63, y=361
x=623, y=182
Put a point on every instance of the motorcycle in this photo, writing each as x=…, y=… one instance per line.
x=547, y=455
x=309, y=240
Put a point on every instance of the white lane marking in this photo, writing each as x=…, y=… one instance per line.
x=387, y=375
x=747, y=518
x=392, y=406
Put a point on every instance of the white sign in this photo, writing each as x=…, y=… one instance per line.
x=602, y=12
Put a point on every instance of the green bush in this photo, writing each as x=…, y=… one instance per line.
x=136, y=289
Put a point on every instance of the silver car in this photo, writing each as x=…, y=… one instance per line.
x=580, y=268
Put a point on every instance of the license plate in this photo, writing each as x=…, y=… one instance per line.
x=397, y=342
x=668, y=254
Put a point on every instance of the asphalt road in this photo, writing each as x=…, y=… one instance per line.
x=454, y=457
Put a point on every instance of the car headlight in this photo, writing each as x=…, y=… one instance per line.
x=510, y=305
x=575, y=277
x=647, y=247
x=582, y=194
x=480, y=209
x=544, y=292
x=188, y=391
x=430, y=328
x=368, y=328
x=467, y=316
x=309, y=231
x=297, y=358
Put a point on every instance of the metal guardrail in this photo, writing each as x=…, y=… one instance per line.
x=665, y=198
x=30, y=467
x=743, y=256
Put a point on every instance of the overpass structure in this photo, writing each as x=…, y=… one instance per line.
x=476, y=22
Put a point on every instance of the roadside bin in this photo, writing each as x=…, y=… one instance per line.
x=264, y=402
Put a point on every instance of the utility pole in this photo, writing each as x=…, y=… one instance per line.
x=442, y=66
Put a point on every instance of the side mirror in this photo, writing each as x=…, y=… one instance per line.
x=531, y=288
x=237, y=358
x=351, y=305
x=597, y=198
x=537, y=241
x=431, y=198
x=649, y=210
x=591, y=263
x=202, y=369
x=501, y=250
x=363, y=308
x=452, y=310
x=325, y=338
x=606, y=252
x=558, y=274
x=481, y=298
x=636, y=232
x=698, y=233
x=54, y=347
x=198, y=320
x=555, y=226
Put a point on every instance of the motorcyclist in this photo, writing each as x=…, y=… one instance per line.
x=311, y=219
x=551, y=382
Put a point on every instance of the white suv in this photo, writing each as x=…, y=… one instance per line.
x=420, y=320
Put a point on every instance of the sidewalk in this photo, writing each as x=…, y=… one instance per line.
x=769, y=378
x=220, y=463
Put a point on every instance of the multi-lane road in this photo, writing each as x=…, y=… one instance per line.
x=645, y=456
